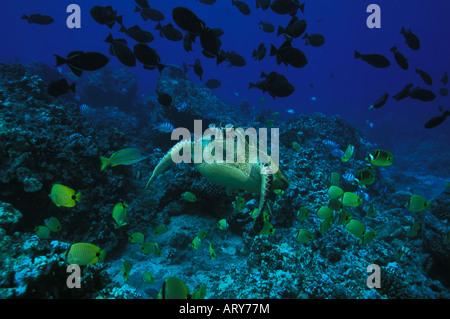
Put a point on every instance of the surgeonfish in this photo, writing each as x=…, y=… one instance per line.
x=147, y=278
x=119, y=213
x=126, y=268
x=380, y=158
x=84, y=254
x=351, y=199
x=222, y=224
x=160, y=229
x=136, y=238
x=174, y=288
x=416, y=204
x=42, y=231
x=189, y=197
x=304, y=236
x=413, y=230
x=53, y=224
x=64, y=196
x=348, y=153
x=355, y=228
x=212, y=253
x=335, y=192
x=126, y=156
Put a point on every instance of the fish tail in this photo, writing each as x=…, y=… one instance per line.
x=357, y=54
x=136, y=9
x=273, y=50
x=161, y=67
x=122, y=29
x=105, y=162
x=393, y=49
x=78, y=197
x=255, y=53
x=403, y=30
x=102, y=255
x=302, y=7
x=109, y=38
x=158, y=26
x=251, y=85
x=24, y=16
x=60, y=60
x=119, y=20
x=280, y=30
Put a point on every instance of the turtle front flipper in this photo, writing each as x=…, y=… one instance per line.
x=266, y=184
x=165, y=162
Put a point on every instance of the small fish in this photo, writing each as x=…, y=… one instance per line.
x=137, y=175
x=446, y=237
x=368, y=237
x=355, y=228
x=335, y=192
x=126, y=269
x=212, y=253
x=365, y=177
x=325, y=225
x=412, y=40
x=349, y=177
x=413, y=230
x=444, y=79
x=197, y=68
x=290, y=111
x=344, y=217
x=242, y=6
x=222, y=224
x=164, y=127
x=380, y=158
x=125, y=156
x=174, y=288
x=334, y=178
x=425, y=76
x=380, y=102
x=152, y=248
x=239, y=204
x=404, y=93
x=60, y=87
x=296, y=146
x=83, y=254
x=303, y=214
x=417, y=203
x=120, y=49
x=348, y=153
x=262, y=100
x=330, y=143
x=79, y=61
x=212, y=84
x=169, y=32
x=335, y=204
x=325, y=213
x=64, y=196
x=119, y=213
x=371, y=210
x=431, y=181
x=196, y=242
x=375, y=60
x=42, y=232
x=316, y=40
x=38, y=19
x=422, y=94
x=266, y=26
x=304, y=236
x=369, y=123
x=136, y=238
x=160, y=229
x=267, y=229
x=337, y=153
x=400, y=58
x=53, y=224
x=437, y=120
x=147, y=278
x=189, y=197
x=351, y=199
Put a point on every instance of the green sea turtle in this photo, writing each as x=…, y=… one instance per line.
x=254, y=174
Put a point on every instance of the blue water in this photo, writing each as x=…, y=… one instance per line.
x=354, y=86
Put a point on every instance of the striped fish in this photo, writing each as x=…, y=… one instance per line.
x=164, y=127
x=127, y=156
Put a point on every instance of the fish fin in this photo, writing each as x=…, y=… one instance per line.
x=105, y=162
x=75, y=71
x=158, y=26
x=24, y=16
x=302, y=8
x=78, y=197
x=137, y=9
x=119, y=20
x=165, y=162
x=280, y=30
x=122, y=29
x=59, y=60
x=109, y=38
x=273, y=50
x=160, y=67
x=357, y=54
x=251, y=85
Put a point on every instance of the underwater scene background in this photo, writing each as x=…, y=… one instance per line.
x=85, y=118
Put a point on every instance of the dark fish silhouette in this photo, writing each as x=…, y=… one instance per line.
x=149, y=13
x=411, y=39
x=105, y=16
x=316, y=40
x=212, y=83
x=187, y=20
x=443, y=92
x=425, y=76
x=169, y=32
x=263, y=4
x=235, y=59
x=404, y=93
x=376, y=60
x=294, y=29
x=287, y=7
x=207, y=1
x=197, y=68
x=38, y=19
x=79, y=61
x=260, y=53
x=380, y=102
x=148, y=57
x=242, y=6
x=164, y=98
x=120, y=50
x=287, y=54
x=266, y=26
x=400, y=58
x=437, y=120
x=137, y=34
x=60, y=87
x=275, y=84
x=211, y=45
x=422, y=94
x=445, y=78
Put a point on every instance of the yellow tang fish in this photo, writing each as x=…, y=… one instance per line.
x=126, y=156
x=119, y=213
x=53, y=224
x=64, y=196
x=136, y=238
x=147, y=278
x=380, y=158
x=174, y=288
x=304, y=236
x=189, y=197
x=84, y=254
x=42, y=232
x=348, y=153
x=355, y=228
x=126, y=269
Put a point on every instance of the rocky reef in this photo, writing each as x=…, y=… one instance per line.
x=44, y=141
